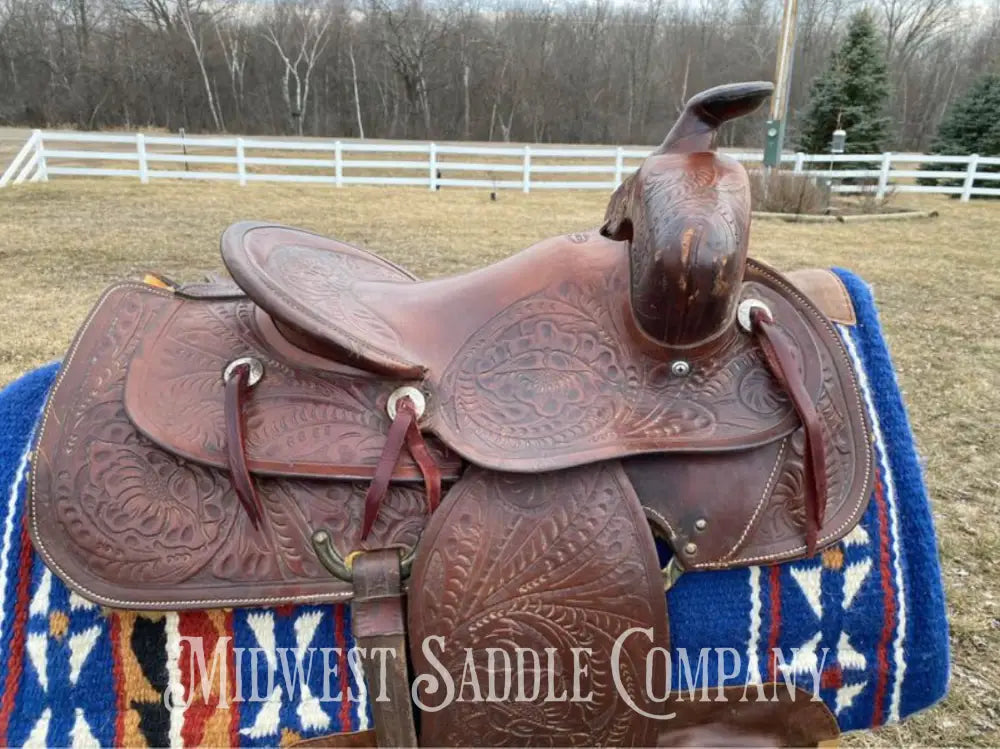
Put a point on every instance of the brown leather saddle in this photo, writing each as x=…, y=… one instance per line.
x=500, y=446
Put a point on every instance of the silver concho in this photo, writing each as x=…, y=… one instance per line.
x=256, y=369
x=407, y=391
x=743, y=312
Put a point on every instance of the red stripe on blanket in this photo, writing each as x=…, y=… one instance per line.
x=19, y=632
x=774, y=589
x=343, y=669
x=888, y=602
x=206, y=653
x=234, y=706
x=115, y=626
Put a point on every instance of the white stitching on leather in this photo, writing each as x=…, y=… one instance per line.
x=865, y=495
x=36, y=537
x=659, y=516
x=764, y=497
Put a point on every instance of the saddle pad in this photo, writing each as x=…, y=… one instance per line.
x=70, y=671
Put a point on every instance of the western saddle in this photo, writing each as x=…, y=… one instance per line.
x=498, y=448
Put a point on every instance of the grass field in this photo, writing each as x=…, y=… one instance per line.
x=937, y=282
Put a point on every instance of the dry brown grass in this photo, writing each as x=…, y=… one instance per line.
x=937, y=283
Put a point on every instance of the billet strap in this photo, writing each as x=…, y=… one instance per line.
x=379, y=628
x=780, y=360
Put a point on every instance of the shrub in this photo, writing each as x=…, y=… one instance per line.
x=786, y=192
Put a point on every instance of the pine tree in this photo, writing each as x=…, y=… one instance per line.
x=852, y=94
x=971, y=125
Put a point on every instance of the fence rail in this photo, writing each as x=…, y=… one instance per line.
x=434, y=165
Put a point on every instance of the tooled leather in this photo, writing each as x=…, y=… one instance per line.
x=131, y=525
x=555, y=560
x=545, y=368
x=760, y=519
x=310, y=286
x=690, y=216
x=300, y=422
x=556, y=380
x=120, y=574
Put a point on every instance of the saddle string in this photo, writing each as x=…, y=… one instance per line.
x=237, y=388
x=778, y=355
x=403, y=430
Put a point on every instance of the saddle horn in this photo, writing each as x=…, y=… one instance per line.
x=686, y=216
x=698, y=126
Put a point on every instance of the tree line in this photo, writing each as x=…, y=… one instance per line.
x=509, y=70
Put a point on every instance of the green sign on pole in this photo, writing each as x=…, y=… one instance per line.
x=774, y=136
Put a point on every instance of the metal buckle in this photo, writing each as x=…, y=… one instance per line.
x=342, y=567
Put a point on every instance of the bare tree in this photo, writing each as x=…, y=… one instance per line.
x=547, y=70
x=910, y=24
x=298, y=34
x=235, y=44
x=194, y=19
x=410, y=34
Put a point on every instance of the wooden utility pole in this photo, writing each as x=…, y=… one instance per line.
x=775, y=131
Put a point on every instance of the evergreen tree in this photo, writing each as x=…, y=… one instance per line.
x=852, y=94
x=971, y=125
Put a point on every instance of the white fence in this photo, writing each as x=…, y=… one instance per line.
x=433, y=165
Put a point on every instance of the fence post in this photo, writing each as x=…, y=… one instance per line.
x=619, y=165
x=526, y=173
x=970, y=177
x=338, y=164
x=432, y=166
x=42, y=172
x=800, y=159
x=15, y=167
x=883, y=175
x=241, y=164
x=140, y=150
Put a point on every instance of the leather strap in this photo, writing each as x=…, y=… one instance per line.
x=237, y=387
x=403, y=430
x=781, y=361
x=425, y=462
x=379, y=627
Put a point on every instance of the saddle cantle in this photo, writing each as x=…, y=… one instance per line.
x=226, y=445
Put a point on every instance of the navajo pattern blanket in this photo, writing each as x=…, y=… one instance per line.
x=865, y=618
